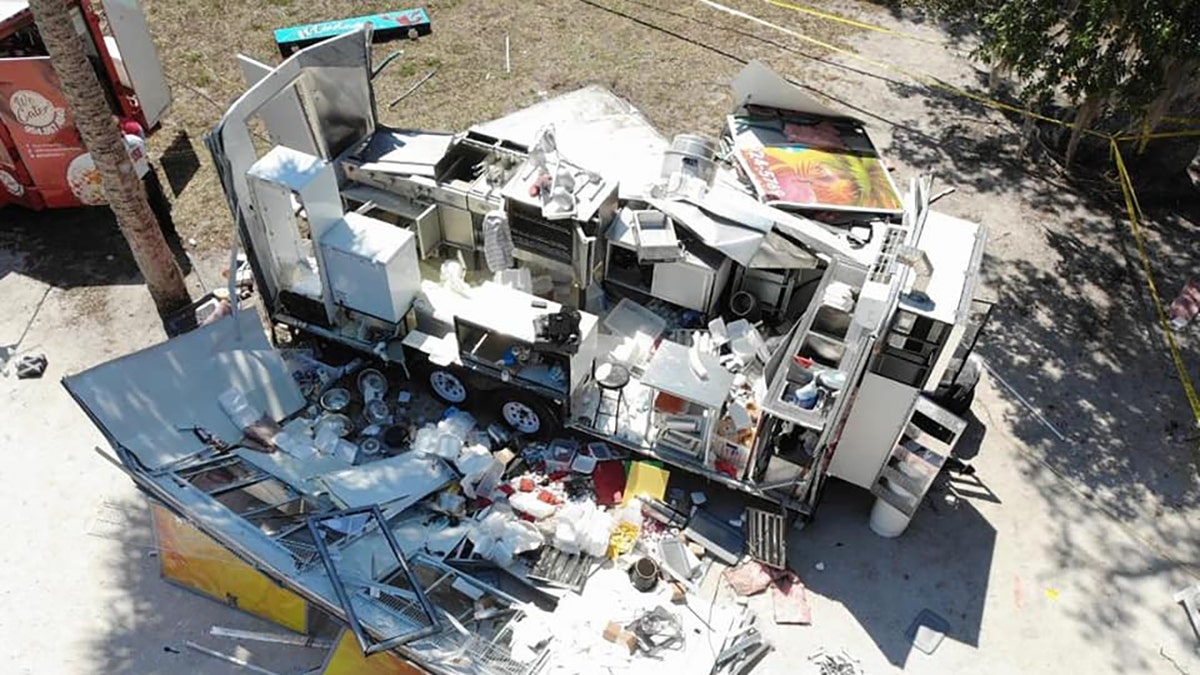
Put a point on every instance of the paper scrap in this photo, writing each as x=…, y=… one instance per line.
x=790, y=601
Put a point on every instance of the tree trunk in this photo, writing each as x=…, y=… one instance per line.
x=1028, y=131
x=104, y=140
x=1175, y=82
x=1083, y=120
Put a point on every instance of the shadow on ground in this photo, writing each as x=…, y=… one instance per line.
x=1075, y=330
x=70, y=248
x=150, y=619
x=886, y=583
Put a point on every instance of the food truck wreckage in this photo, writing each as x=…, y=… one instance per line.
x=765, y=313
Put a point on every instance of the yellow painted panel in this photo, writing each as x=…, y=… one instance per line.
x=194, y=560
x=347, y=659
x=645, y=480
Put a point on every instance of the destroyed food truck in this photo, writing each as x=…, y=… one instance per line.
x=767, y=312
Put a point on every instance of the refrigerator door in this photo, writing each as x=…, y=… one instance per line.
x=881, y=410
x=284, y=115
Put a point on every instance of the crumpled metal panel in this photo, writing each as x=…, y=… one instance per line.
x=149, y=401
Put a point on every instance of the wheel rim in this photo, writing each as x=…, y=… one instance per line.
x=447, y=386
x=521, y=417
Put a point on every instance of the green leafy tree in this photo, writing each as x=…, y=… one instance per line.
x=1129, y=59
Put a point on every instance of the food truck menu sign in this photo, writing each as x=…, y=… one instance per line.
x=38, y=119
x=385, y=26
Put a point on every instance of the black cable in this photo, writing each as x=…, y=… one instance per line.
x=717, y=50
x=680, y=36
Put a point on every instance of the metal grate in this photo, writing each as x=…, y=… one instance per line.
x=305, y=554
x=765, y=538
x=474, y=653
x=406, y=607
x=885, y=262
x=563, y=570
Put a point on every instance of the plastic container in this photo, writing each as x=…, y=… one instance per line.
x=887, y=520
x=692, y=155
x=518, y=278
x=583, y=464
x=560, y=454
x=805, y=396
x=629, y=319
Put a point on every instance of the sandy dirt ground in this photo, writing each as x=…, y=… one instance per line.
x=1060, y=555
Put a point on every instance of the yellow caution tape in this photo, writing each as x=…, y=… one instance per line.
x=1135, y=209
x=1126, y=183
x=1161, y=134
x=850, y=22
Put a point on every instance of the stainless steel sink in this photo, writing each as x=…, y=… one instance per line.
x=831, y=321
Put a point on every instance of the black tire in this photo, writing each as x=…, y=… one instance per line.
x=958, y=400
x=527, y=415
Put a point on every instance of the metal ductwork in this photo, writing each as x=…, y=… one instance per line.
x=920, y=264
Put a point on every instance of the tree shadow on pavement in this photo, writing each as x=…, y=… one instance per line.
x=1074, y=331
x=70, y=248
x=885, y=583
x=150, y=619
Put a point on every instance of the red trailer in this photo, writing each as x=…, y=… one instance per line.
x=43, y=163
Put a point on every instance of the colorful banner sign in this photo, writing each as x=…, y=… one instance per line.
x=387, y=26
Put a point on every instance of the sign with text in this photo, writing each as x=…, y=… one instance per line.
x=387, y=26
x=42, y=128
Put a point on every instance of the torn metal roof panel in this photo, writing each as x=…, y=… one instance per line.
x=397, y=482
x=149, y=401
x=595, y=129
x=757, y=84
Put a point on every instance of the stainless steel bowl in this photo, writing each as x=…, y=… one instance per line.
x=335, y=400
x=372, y=384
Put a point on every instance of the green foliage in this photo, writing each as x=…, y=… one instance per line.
x=1130, y=56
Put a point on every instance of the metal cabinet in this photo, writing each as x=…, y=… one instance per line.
x=688, y=284
x=372, y=267
x=458, y=227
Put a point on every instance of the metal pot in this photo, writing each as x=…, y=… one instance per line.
x=644, y=574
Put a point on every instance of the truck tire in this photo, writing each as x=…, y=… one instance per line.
x=960, y=400
x=958, y=396
x=447, y=385
x=527, y=415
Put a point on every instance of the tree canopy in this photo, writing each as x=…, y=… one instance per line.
x=1132, y=59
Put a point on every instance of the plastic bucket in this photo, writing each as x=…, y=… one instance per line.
x=887, y=520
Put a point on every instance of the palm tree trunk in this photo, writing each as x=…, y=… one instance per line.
x=104, y=140
x=1083, y=120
